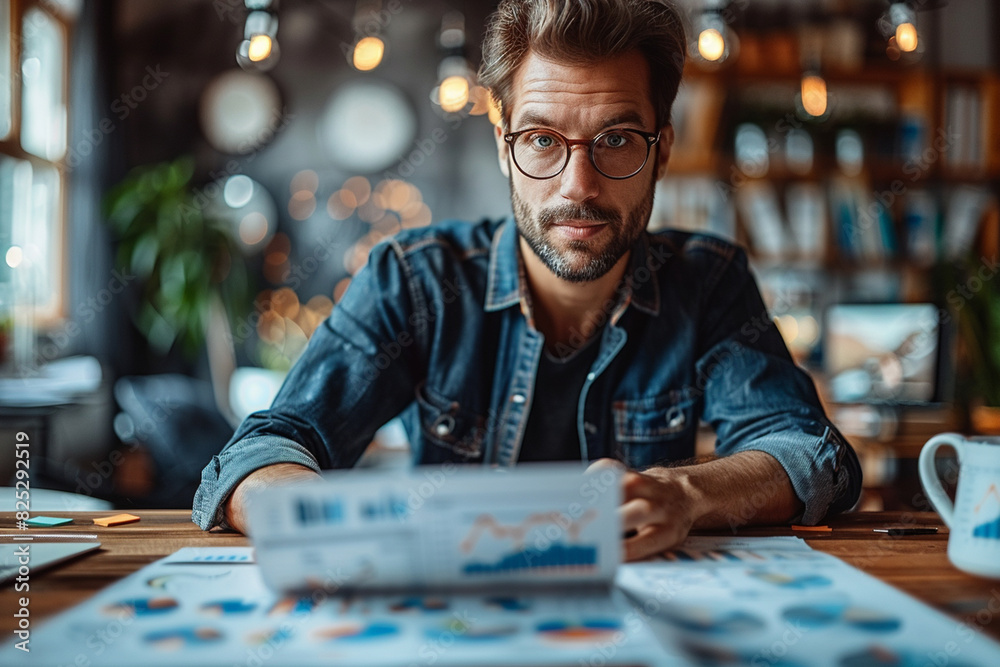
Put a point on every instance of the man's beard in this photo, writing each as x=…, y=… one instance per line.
x=581, y=260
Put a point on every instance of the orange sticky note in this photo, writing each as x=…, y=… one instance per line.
x=116, y=520
x=814, y=529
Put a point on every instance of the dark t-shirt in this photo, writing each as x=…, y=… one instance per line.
x=551, y=434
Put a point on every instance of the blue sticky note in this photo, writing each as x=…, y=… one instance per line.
x=47, y=521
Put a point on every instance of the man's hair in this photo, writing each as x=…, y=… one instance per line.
x=583, y=32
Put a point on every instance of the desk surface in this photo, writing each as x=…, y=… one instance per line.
x=917, y=565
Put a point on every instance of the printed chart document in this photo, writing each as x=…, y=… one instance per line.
x=443, y=528
x=776, y=602
x=492, y=568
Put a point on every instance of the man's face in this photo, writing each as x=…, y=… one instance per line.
x=581, y=223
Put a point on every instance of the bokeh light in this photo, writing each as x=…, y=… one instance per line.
x=368, y=53
x=285, y=302
x=276, y=259
x=359, y=187
x=302, y=204
x=253, y=228
x=814, y=97
x=14, y=256
x=237, y=191
x=711, y=44
x=307, y=179
x=260, y=48
x=453, y=93
x=341, y=204
x=906, y=37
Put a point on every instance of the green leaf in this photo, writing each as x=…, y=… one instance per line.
x=142, y=259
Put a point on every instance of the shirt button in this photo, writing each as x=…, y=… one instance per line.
x=589, y=428
x=676, y=418
x=518, y=398
x=444, y=425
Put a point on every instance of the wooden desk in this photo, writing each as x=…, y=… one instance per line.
x=917, y=565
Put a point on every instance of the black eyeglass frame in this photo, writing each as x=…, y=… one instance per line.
x=650, y=138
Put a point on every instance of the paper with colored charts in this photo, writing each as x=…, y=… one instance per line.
x=447, y=526
x=206, y=607
x=750, y=601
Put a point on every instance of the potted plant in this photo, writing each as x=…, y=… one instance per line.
x=182, y=256
x=978, y=305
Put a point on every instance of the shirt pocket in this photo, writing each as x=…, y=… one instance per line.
x=449, y=432
x=655, y=430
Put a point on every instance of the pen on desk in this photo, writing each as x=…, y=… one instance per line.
x=906, y=531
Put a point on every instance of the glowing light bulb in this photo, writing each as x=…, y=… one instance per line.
x=368, y=53
x=906, y=37
x=814, y=99
x=453, y=93
x=711, y=44
x=260, y=48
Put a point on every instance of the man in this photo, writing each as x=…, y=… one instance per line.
x=568, y=333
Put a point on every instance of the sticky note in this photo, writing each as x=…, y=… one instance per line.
x=47, y=521
x=814, y=529
x=116, y=520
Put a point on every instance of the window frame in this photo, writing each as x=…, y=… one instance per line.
x=49, y=314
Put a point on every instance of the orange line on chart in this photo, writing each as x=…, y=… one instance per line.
x=992, y=491
x=517, y=533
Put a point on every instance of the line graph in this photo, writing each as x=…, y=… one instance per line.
x=991, y=492
x=517, y=533
x=990, y=529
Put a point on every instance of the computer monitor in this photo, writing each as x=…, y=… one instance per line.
x=882, y=353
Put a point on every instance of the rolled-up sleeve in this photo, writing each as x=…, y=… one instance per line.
x=757, y=399
x=235, y=462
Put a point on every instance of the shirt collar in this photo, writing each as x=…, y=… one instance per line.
x=504, y=286
x=506, y=274
x=642, y=276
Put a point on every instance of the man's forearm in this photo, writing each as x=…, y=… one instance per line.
x=745, y=488
x=273, y=475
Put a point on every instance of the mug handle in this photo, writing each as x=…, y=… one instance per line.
x=929, y=477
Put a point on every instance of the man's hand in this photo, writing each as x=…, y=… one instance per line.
x=660, y=506
x=279, y=473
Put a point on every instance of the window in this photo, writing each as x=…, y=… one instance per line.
x=33, y=141
x=5, y=71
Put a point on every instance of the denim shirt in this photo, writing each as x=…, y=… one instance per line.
x=437, y=328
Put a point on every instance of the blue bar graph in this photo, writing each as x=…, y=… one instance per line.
x=990, y=529
x=557, y=556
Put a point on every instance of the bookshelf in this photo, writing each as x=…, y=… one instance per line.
x=902, y=176
x=918, y=129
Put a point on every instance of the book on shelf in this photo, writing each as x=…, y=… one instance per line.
x=693, y=204
x=920, y=223
x=760, y=211
x=964, y=128
x=805, y=204
x=862, y=223
x=967, y=205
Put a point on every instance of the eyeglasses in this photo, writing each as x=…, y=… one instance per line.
x=617, y=154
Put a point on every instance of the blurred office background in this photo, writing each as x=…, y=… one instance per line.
x=187, y=187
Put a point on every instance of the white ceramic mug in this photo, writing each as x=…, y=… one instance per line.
x=974, y=519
